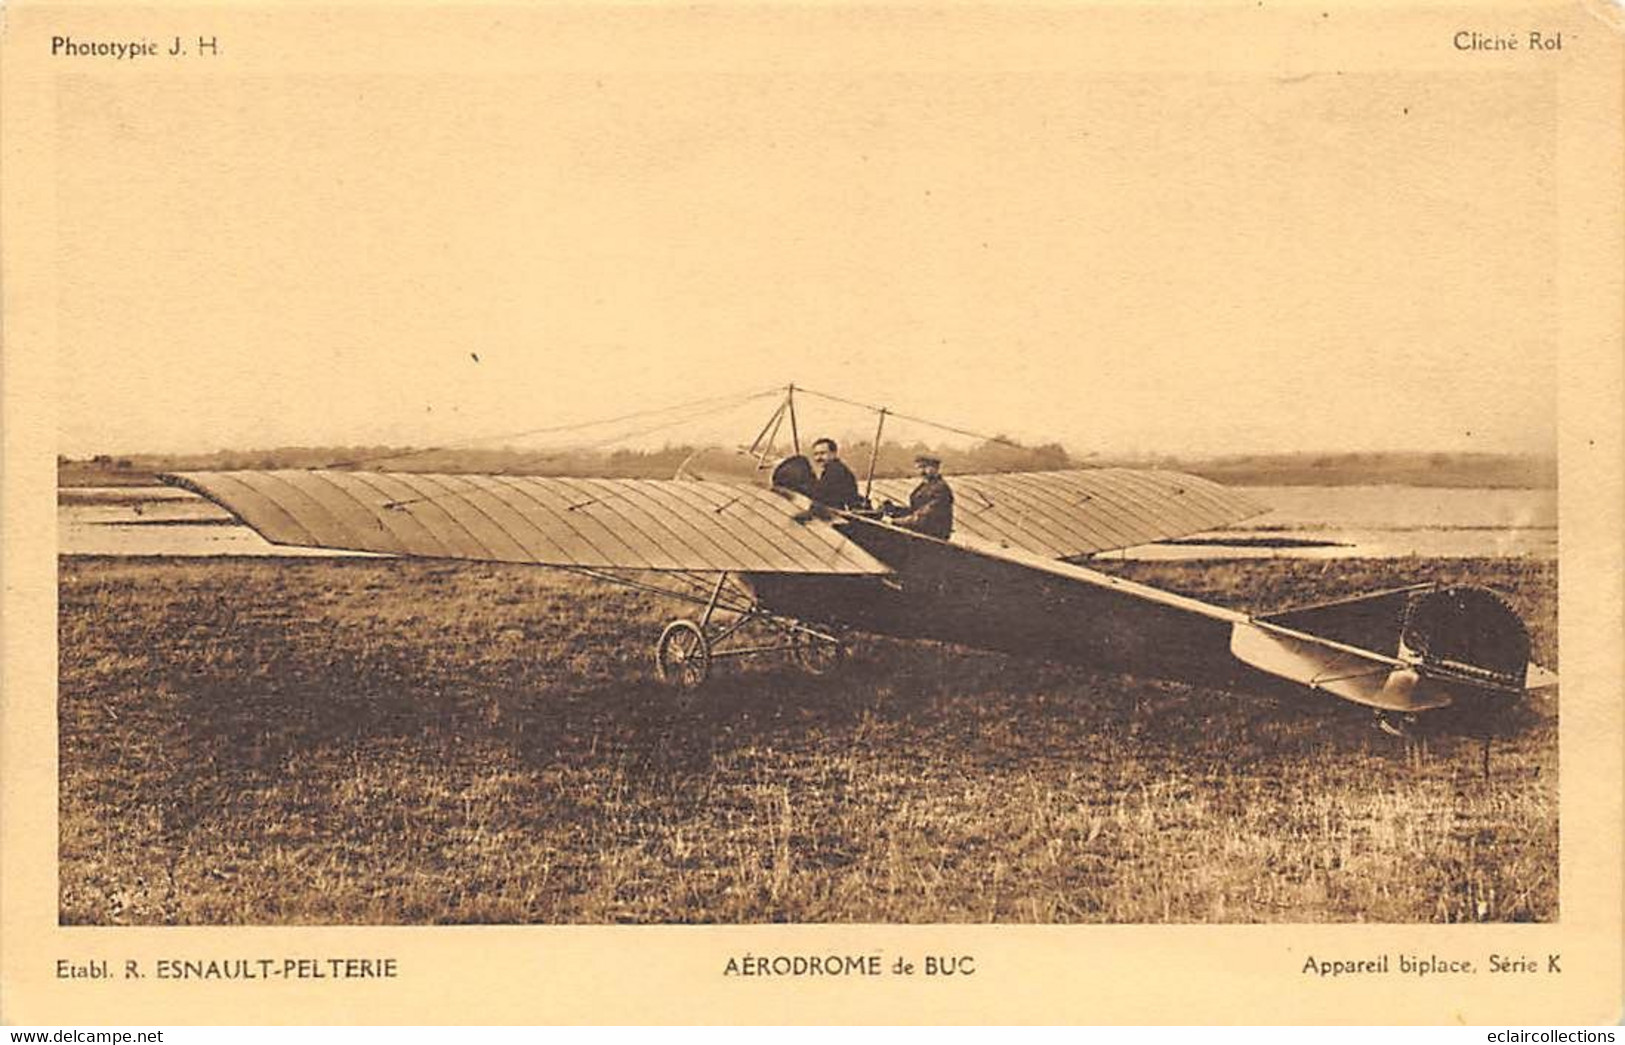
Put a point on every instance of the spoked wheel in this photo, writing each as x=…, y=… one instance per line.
x=683, y=655
x=815, y=655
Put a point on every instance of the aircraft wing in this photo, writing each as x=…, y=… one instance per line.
x=1070, y=514
x=645, y=524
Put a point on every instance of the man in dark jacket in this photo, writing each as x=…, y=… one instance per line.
x=833, y=482
x=931, y=505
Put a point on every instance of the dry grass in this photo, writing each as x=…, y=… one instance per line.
x=296, y=741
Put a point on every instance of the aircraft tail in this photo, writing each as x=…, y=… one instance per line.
x=1405, y=649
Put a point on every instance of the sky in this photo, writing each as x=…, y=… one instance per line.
x=1181, y=260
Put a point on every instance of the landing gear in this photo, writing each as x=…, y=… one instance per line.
x=683, y=655
x=687, y=649
x=817, y=654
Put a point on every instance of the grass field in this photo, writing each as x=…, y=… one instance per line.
x=377, y=741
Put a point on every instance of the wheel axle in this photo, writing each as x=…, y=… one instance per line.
x=685, y=653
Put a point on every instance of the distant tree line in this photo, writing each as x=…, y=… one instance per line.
x=894, y=459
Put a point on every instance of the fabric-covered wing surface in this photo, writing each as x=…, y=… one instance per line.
x=594, y=523
x=1061, y=515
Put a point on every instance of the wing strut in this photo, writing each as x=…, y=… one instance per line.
x=790, y=405
x=762, y=445
x=874, y=455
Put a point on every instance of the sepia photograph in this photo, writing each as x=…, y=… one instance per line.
x=1017, y=687
x=816, y=471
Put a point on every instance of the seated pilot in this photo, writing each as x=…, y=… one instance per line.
x=931, y=506
x=833, y=482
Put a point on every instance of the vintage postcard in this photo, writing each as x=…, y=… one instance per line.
x=812, y=513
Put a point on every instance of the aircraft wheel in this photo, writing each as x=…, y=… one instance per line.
x=683, y=655
x=816, y=656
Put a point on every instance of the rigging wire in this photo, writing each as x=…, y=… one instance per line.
x=686, y=412
x=638, y=433
x=726, y=401
x=916, y=420
x=578, y=447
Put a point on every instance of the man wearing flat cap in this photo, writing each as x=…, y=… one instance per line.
x=931, y=505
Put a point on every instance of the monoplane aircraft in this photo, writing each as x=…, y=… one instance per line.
x=770, y=571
